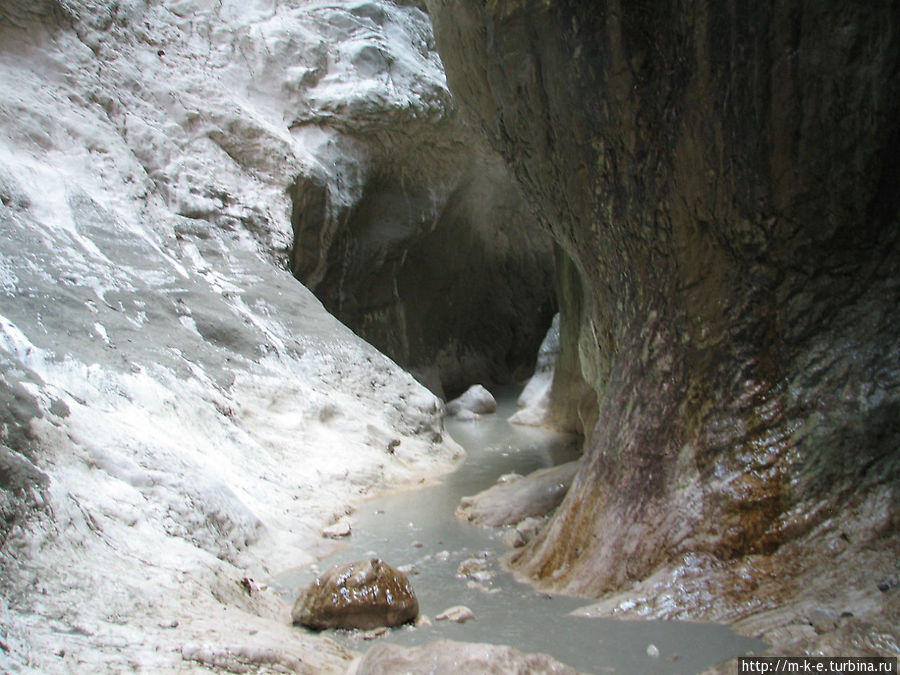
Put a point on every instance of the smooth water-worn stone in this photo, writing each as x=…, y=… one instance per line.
x=338, y=530
x=363, y=594
x=466, y=416
x=476, y=399
x=511, y=501
x=470, y=566
x=456, y=614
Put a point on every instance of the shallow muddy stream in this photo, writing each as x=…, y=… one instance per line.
x=419, y=528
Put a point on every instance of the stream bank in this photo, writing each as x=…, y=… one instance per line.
x=419, y=529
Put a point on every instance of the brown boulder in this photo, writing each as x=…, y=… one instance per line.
x=362, y=594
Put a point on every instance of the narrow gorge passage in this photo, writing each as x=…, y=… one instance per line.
x=418, y=529
x=705, y=192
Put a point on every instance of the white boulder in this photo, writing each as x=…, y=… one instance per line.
x=476, y=399
x=456, y=614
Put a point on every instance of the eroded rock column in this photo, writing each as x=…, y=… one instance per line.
x=722, y=180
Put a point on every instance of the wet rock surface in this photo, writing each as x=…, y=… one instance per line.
x=364, y=594
x=516, y=498
x=523, y=532
x=724, y=194
x=445, y=656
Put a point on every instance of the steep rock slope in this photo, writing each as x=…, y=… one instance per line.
x=179, y=415
x=407, y=227
x=723, y=181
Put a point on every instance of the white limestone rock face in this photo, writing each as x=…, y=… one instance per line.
x=179, y=414
x=534, y=401
x=400, y=202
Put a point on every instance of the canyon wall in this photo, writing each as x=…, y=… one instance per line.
x=722, y=181
x=408, y=228
x=178, y=415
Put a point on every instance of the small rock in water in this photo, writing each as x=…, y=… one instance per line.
x=364, y=594
x=423, y=621
x=512, y=538
x=374, y=633
x=456, y=614
x=475, y=569
x=510, y=502
x=337, y=531
x=484, y=576
x=476, y=399
x=476, y=586
x=470, y=566
x=652, y=651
